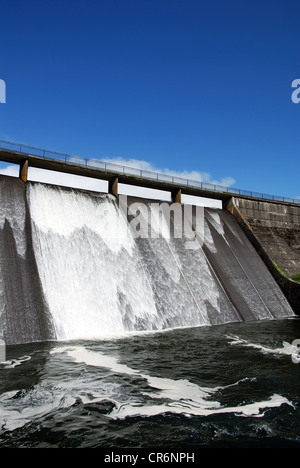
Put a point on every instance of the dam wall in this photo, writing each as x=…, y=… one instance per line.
x=24, y=314
x=274, y=231
x=72, y=267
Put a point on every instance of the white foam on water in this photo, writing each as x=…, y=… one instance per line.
x=199, y=409
x=20, y=408
x=180, y=396
x=14, y=362
x=158, y=396
x=287, y=349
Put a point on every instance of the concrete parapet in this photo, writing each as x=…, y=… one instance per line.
x=268, y=214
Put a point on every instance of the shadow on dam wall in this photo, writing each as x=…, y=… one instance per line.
x=23, y=312
x=64, y=276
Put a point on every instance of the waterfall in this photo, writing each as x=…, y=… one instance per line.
x=80, y=272
x=89, y=265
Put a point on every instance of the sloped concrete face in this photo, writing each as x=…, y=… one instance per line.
x=277, y=227
x=241, y=271
x=23, y=312
x=274, y=231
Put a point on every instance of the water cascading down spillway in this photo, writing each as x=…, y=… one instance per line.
x=71, y=268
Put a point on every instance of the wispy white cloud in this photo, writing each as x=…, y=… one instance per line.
x=191, y=175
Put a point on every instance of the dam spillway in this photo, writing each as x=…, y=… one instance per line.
x=71, y=268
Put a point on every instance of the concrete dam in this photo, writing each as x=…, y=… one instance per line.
x=71, y=268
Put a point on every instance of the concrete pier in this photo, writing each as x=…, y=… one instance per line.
x=176, y=196
x=23, y=174
x=113, y=186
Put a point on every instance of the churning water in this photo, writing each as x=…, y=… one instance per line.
x=232, y=385
x=118, y=341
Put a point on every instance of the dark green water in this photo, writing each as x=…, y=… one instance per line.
x=232, y=386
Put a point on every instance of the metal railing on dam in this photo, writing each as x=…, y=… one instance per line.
x=141, y=174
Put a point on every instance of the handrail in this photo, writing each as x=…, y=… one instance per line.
x=144, y=174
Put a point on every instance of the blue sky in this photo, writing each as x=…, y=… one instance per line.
x=200, y=88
